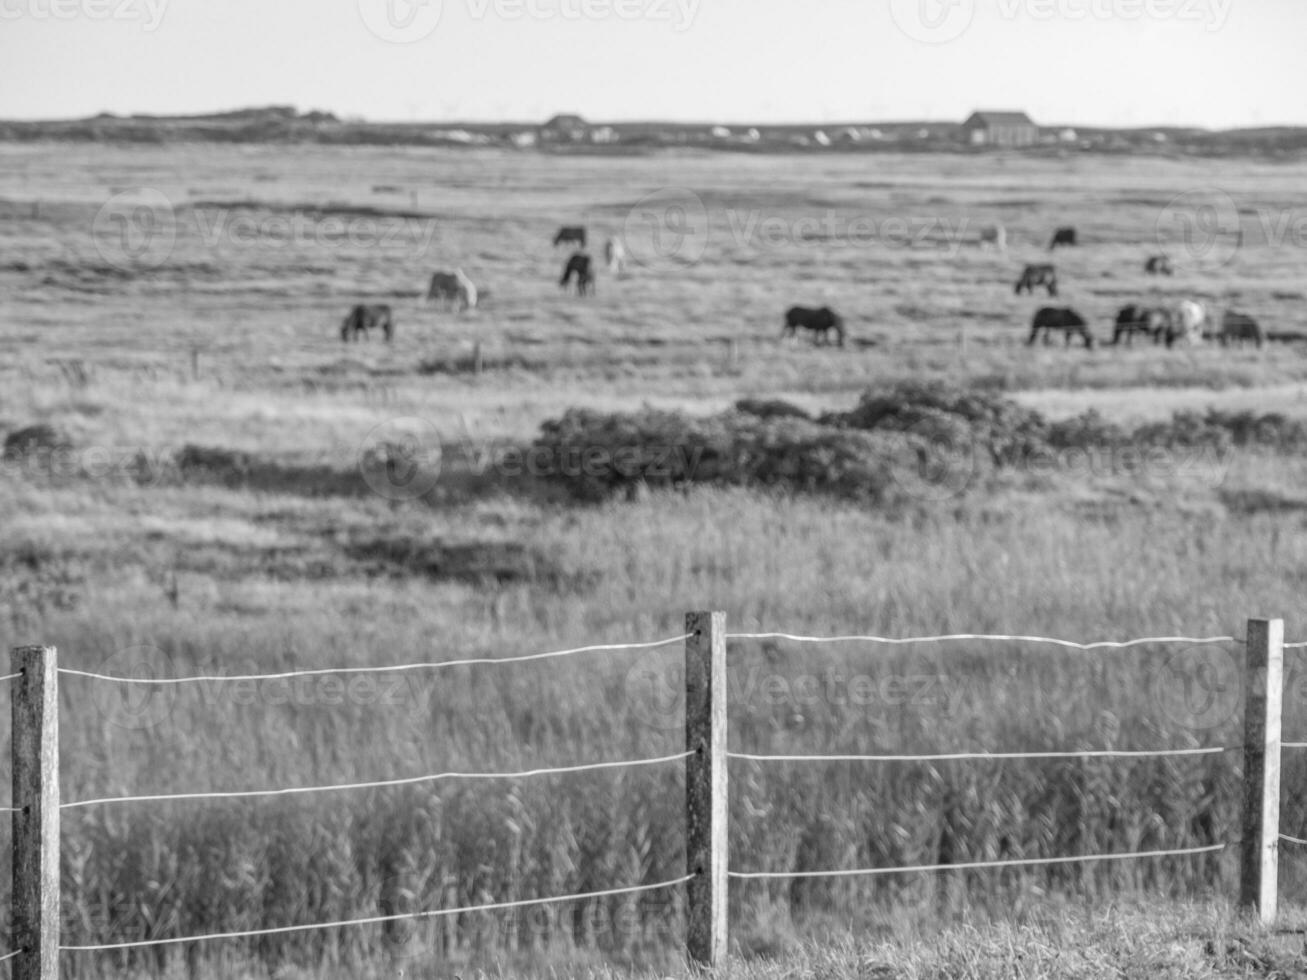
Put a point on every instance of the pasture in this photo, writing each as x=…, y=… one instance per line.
x=210, y=516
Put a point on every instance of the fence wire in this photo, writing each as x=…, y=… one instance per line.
x=998, y=637
x=326, y=671
x=371, y=920
x=972, y=865
x=405, y=781
x=984, y=756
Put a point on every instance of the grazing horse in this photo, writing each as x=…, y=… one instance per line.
x=1158, y=265
x=615, y=256
x=364, y=317
x=1238, y=327
x=1151, y=321
x=819, y=321
x=453, y=287
x=1063, y=236
x=1187, y=323
x=1038, y=275
x=1071, y=323
x=995, y=235
x=570, y=233
x=578, y=265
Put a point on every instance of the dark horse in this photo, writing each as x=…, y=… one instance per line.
x=819, y=321
x=1063, y=236
x=1238, y=327
x=364, y=317
x=1038, y=275
x=1152, y=322
x=1071, y=323
x=579, y=265
x=570, y=233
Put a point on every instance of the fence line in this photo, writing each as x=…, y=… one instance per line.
x=380, y=783
x=375, y=919
x=36, y=838
x=972, y=865
x=984, y=756
x=892, y=641
x=11, y=677
x=329, y=671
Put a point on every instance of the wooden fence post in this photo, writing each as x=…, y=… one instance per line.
x=1260, y=850
x=35, y=749
x=705, y=787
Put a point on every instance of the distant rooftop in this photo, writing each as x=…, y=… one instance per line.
x=991, y=117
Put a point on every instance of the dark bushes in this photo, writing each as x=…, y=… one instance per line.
x=911, y=429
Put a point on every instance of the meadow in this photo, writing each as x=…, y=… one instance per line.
x=213, y=513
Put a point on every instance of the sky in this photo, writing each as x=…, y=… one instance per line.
x=1212, y=63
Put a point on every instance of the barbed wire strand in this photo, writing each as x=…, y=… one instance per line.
x=431, y=913
x=322, y=671
x=1293, y=745
x=1293, y=840
x=970, y=865
x=376, y=784
x=10, y=956
x=1295, y=646
x=1071, y=644
x=960, y=756
x=11, y=677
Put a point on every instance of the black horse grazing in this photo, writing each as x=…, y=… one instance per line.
x=819, y=321
x=578, y=265
x=1158, y=265
x=1071, y=323
x=1038, y=275
x=570, y=233
x=1063, y=236
x=1152, y=322
x=364, y=317
x=1238, y=327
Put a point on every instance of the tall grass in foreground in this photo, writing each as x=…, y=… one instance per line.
x=774, y=563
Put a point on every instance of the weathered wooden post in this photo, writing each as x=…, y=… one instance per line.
x=1260, y=850
x=705, y=787
x=35, y=749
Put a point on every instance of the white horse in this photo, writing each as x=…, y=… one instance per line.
x=453, y=287
x=1188, y=322
x=615, y=255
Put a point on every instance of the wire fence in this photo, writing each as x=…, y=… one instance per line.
x=698, y=755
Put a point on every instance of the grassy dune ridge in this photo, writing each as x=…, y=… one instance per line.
x=295, y=566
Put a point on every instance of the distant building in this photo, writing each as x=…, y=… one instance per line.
x=603, y=134
x=1068, y=135
x=565, y=129
x=721, y=132
x=985, y=128
x=524, y=138
x=821, y=138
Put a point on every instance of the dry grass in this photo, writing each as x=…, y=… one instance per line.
x=295, y=568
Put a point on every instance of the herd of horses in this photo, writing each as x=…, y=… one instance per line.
x=1189, y=321
x=456, y=289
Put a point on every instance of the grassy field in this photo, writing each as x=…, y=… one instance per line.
x=284, y=558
